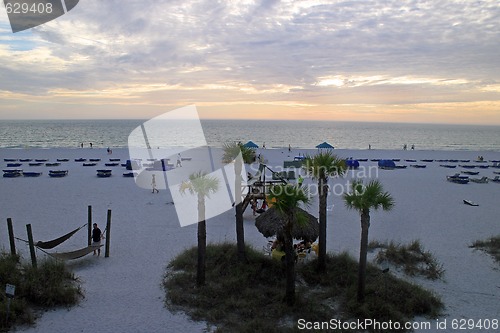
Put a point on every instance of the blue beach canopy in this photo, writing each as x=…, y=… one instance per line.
x=324, y=145
x=389, y=164
x=352, y=164
x=251, y=144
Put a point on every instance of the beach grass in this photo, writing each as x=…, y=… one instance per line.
x=49, y=285
x=249, y=297
x=490, y=246
x=411, y=258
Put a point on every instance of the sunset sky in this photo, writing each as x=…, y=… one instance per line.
x=386, y=60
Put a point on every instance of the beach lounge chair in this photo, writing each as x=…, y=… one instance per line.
x=58, y=173
x=457, y=179
x=103, y=173
x=482, y=180
x=32, y=174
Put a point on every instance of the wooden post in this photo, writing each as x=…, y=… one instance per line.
x=32, y=245
x=11, y=237
x=89, y=227
x=108, y=234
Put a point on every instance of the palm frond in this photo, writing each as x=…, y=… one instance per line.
x=200, y=183
x=324, y=165
x=368, y=196
x=231, y=150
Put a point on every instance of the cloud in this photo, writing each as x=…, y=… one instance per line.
x=311, y=52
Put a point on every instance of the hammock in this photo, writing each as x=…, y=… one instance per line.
x=74, y=254
x=53, y=243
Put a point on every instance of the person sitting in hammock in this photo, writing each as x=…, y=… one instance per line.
x=96, y=239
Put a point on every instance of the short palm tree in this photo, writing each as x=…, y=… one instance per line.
x=231, y=152
x=321, y=167
x=363, y=198
x=201, y=185
x=287, y=200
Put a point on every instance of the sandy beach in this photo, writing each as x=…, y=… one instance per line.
x=123, y=292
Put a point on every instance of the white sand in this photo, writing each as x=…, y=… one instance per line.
x=123, y=292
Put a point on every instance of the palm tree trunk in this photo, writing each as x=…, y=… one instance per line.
x=289, y=264
x=240, y=230
x=323, y=192
x=202, y=242
x=363, y=251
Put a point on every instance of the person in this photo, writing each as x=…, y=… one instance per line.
x=179, y=160
x=369, y=147
x=96, y=239
x=300, y=180
x=153, y=184
x=289, y=148
x=264, y=145
x=90, y=145
x=405, y=146
x=253, y=204
x=262, y=208
x=412, y=147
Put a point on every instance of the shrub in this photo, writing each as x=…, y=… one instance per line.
x=48, y=285
x=411, y=258
x=249, y=297
x=490, y=246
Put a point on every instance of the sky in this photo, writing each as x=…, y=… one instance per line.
x=430, y=61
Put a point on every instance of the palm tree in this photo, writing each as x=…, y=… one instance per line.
x=201, y=185
x=288, y=198
x=231, y=152
x=363, y=198
x=321, y=167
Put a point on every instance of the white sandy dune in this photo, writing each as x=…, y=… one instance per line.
x=123, y=292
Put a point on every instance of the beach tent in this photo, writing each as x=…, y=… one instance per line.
x=251, y=144
x=324, y=145
x=386, y=164
x=352, y=164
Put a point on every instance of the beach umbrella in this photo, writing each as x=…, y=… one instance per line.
x=324, y=145
x=271, y=223
x=251, y=144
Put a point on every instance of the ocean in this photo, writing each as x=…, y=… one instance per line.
x=274, y=133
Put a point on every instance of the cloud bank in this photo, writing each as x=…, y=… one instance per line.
x=310, y=55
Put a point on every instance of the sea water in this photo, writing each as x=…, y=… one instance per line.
x=272, y=133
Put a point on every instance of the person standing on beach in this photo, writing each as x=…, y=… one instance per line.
x=153, y=184
x=289, y=148
x=96, y=239
x=90, y=145
x=179, y=161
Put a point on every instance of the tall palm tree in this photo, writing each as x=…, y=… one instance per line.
x=201, y=185
x=321, y=167
x=288, y=198
x=231, y=152
x=363, y=198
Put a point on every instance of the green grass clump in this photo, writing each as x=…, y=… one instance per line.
x=48, y=285
x=490, y=246
x=249, y=297
x=412, y=258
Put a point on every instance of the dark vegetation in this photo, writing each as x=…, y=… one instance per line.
x=411, y=258
x=48, y=285
x=490, y=246
x=249, y=297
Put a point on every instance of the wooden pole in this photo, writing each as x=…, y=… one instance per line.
x=108, y=234
x=11, y=237
x=32, y=245
x=89, y=226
